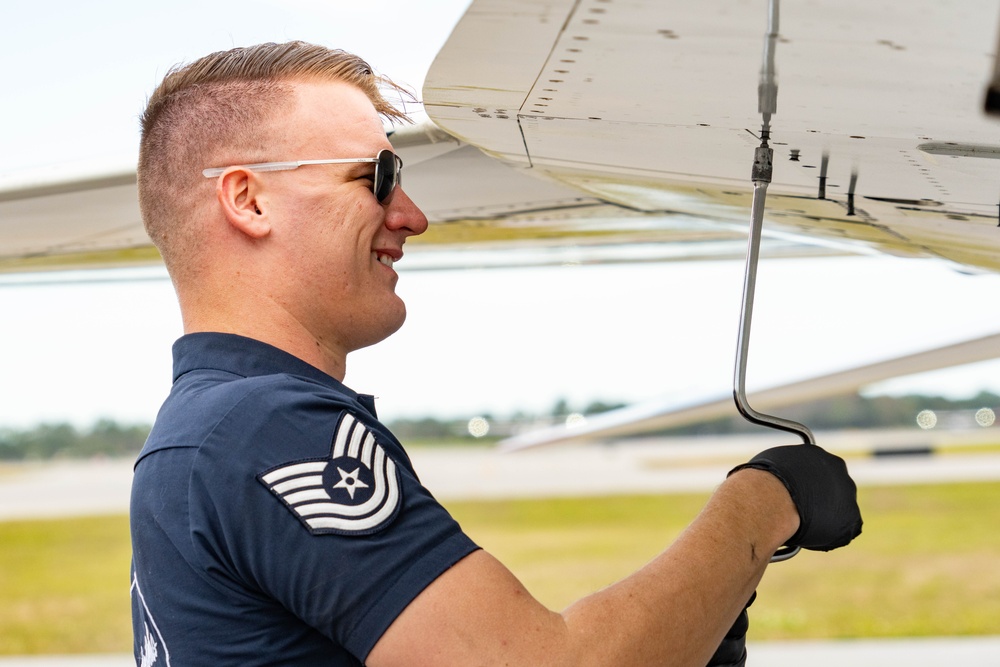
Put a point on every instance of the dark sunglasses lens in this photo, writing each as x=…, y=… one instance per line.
x=386, y=175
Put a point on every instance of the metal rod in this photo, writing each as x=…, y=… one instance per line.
x=767, y=104
x=991, y=101
x=761, y=175
x=767, y=88
x=824, y=164
x=746, y=316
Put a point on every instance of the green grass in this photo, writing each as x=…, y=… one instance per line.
x=928, y=563
x=64, y=586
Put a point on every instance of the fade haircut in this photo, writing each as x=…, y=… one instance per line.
x=225, y=108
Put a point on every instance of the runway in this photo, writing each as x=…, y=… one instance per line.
x=80, y=488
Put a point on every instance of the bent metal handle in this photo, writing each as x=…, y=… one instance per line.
x=761, y=177
x=746, y=316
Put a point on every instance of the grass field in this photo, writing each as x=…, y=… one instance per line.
x=928, y=563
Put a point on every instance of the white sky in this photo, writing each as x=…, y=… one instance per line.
x=75, y=77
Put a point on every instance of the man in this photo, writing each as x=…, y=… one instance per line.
x=274, y=519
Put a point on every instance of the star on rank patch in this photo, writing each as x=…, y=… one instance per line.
x=355, y=491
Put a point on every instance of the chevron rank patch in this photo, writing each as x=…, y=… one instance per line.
x=355, y=491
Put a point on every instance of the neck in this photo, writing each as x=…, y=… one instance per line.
x=269, y=324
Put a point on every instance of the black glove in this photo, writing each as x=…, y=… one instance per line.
x=824, y=494
x=732, y=652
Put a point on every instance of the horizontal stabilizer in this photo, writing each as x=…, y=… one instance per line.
x=658, y=415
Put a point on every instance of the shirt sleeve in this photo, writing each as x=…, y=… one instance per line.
x=298, y=499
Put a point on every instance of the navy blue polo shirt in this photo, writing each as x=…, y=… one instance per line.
x=274, y=519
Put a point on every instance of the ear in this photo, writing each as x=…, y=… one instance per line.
x=239, y=192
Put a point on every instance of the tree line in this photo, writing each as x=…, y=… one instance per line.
x=107, y=438
x=48, y=441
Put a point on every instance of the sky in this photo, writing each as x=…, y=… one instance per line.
x=476, y=341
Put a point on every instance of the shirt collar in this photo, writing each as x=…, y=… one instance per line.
x=248, y=357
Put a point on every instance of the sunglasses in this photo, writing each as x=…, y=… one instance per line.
x=388, y=170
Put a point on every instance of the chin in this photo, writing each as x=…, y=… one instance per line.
x=395, y=316
x=389, y=322
x=395, y=325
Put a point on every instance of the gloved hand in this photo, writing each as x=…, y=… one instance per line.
x=824, y=494
x=732, y=652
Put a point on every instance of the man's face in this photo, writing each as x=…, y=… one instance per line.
x=340, y=241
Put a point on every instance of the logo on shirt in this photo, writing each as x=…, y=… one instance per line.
x=353, y=492
x=152, y=651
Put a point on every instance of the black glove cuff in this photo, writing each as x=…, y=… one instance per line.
x=824, y=495
x=767, y=466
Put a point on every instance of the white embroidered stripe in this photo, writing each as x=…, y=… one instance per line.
x=368, y=450
x=294, y=471
x=298, y=483
x=385, y=485
x=343, y=431
x=372, y=521
x=356, y=436
x=306, y=496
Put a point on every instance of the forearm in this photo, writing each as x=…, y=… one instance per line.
x=676, y=609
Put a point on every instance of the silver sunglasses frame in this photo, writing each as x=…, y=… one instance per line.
x=213, y=172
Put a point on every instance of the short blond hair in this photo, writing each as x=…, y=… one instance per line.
x=222, y=109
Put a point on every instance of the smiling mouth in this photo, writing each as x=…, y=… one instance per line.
x=383, y=258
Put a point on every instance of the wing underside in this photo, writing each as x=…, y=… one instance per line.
x=879, y=133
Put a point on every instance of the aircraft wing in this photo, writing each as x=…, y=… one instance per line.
x=483, y=213
x=592, y=130
x=876, y=111
x=72, y=220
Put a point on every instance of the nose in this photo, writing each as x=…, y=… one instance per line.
x=404, y=215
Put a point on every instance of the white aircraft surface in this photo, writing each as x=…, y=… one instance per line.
x=604, y=130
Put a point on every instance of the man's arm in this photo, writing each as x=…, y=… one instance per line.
x=673, y=611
